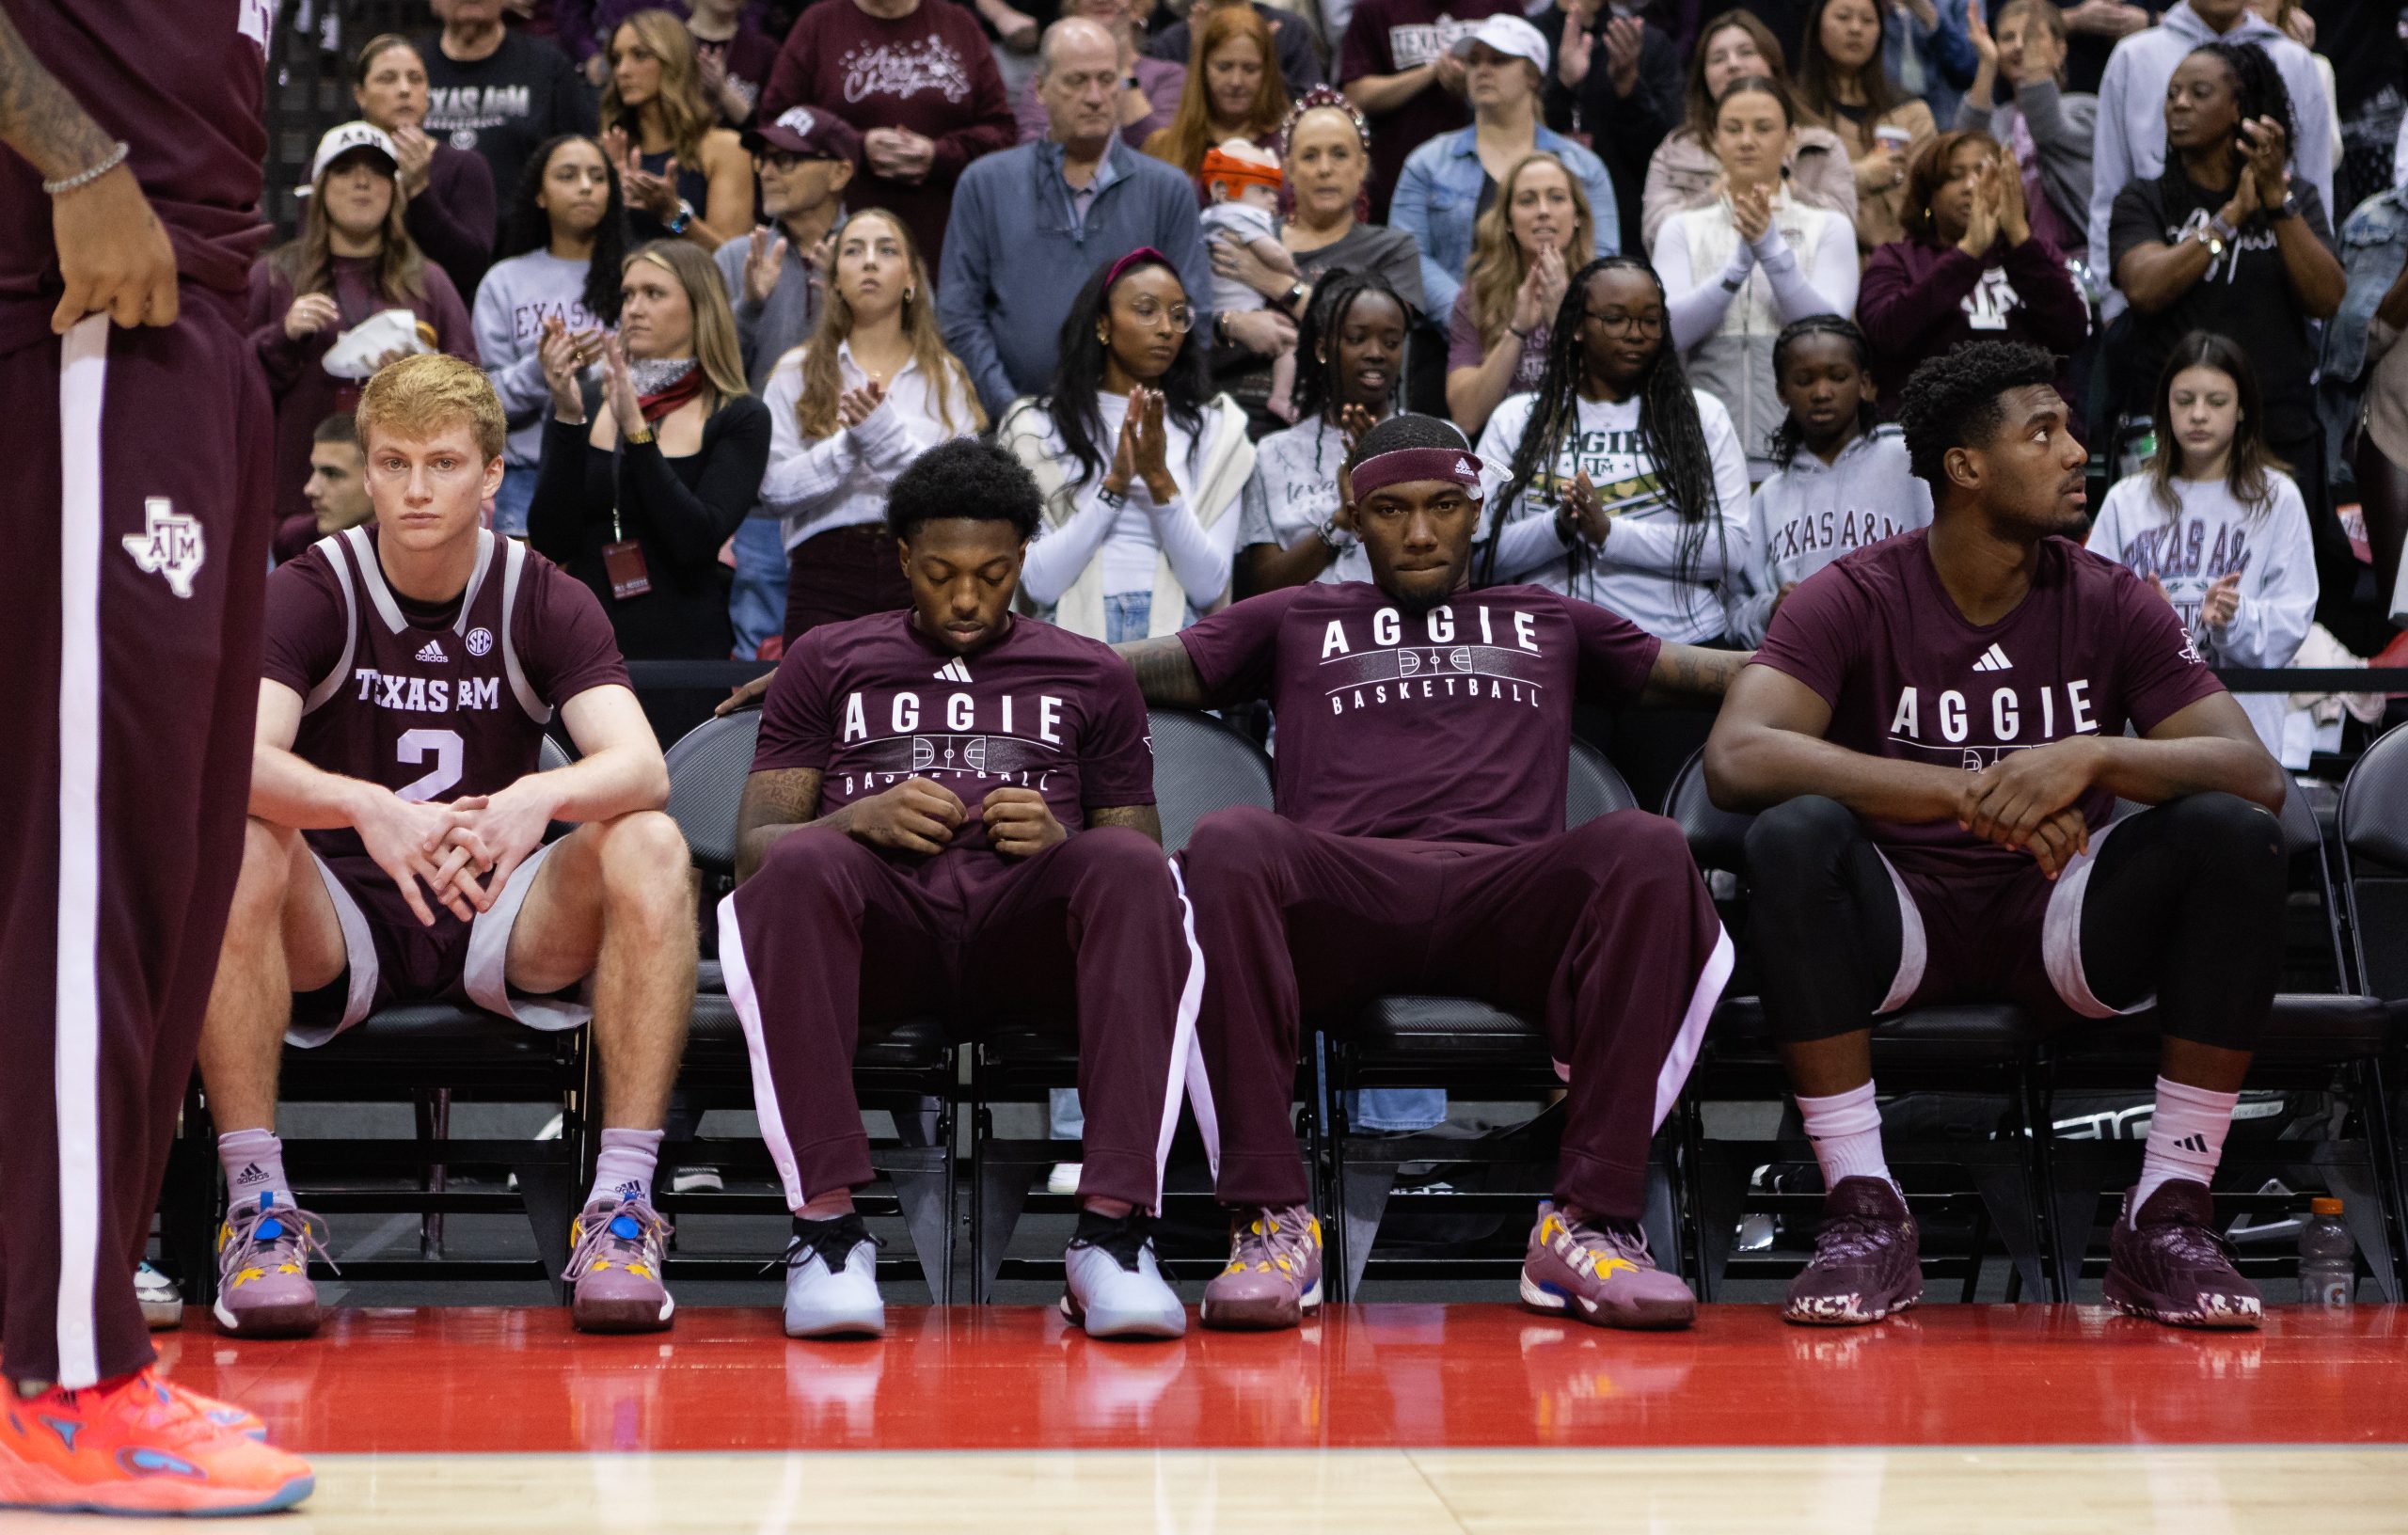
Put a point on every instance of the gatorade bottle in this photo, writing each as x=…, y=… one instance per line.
x=2328, y=1260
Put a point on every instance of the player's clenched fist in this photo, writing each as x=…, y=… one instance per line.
x=1020, y=822
x=914, y=817
x=113, y=254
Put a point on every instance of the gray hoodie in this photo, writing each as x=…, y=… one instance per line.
x=2131, y=145
x=1812, y=513
x=512, y=302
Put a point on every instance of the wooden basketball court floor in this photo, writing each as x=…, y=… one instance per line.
x=1395, y=1418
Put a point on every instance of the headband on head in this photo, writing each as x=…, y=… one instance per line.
x=1143, y=253
x=1402, y=466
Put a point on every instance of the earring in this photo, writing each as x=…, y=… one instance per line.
x=907, y=296
x=1103, y=335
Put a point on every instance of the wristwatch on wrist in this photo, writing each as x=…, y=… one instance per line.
x=2210, y=239
x=2287, y=208
x=1111, y=497
x=638, y=435
x=1296, y=294
x=1334, y=538
x=683, y=221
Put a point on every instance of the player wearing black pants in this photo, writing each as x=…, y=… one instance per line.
x=1934, y=736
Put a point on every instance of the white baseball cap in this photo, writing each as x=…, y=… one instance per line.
x=1510, y=36
x=344, y=138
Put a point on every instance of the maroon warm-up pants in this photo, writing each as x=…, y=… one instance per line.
x=1606, y=931
x=130, y=614
x=828, y=934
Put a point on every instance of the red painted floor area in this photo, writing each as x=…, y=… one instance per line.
x=992, y=1378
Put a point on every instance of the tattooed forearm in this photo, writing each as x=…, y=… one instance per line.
x=1144, y=818
x=1692, y=674
x=1165, y=673
x=774, y=803
x=38, y=118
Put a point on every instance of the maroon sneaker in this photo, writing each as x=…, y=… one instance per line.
x=1274, y=1273
x=1601, y=1272
x=1867, y=1261
x=2167, y=1263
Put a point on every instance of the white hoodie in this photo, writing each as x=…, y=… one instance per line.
x=2130, y=144
x=2210, y=535
x=1812, y=513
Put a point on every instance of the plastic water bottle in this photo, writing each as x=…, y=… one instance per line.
x=2328, y=1260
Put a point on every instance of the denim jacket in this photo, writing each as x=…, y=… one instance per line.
x=1437, y=197
x=2373, y=245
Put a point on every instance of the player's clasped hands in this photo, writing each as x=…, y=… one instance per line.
x=2031, y=799
x=411, y=841
x=916, y=816
x=1020, y=823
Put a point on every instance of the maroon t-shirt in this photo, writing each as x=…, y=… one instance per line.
x=1388, y=37
x=432, y=700
x=872, y=704
x=182, y=82
x=2088, y=651
x=1453, y=726
x=933, y=72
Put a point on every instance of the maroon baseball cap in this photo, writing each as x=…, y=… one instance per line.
x=808, y=131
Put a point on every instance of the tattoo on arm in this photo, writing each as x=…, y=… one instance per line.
x=38, y=118
x=1166, y=674
x=1144, y=818
x=774, y=803
x=1687, y=673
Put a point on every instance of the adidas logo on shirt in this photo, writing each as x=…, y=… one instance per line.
x=956, y=669
x=432, y=650
x=1993, y=659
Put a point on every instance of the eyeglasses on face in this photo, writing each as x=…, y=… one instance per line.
x=1149, y=311
x=1651, y=324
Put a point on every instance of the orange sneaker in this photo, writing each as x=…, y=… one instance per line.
x=224, y=1414
x=132, y=1445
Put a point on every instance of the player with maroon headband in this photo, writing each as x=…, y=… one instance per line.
x=129, y=152
x=396, y=845
x=952, y=811
x=1424, y=734
x=1934, y=735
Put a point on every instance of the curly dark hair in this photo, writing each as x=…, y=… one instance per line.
x=1786, y=439
x=2257, y=84
x=526, y=226
x=1078, y=372
x=1334, y=298
x=1669, y=426
x=973, y=477
x=1951, y=401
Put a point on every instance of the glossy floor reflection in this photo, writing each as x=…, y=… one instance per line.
x=459, y=1380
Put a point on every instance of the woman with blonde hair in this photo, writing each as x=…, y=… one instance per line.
x=685, y=177
x=353, y=259
x=637, y=497
x=872, y=391
x=1524, y=250
x=1233, y=91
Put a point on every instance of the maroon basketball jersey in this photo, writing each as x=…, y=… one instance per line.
x=872, y=703
x=2088, y=650
x=1453, y=726
x=431, y=701
x=182, y=82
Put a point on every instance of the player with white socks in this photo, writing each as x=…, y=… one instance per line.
x=1934, y=735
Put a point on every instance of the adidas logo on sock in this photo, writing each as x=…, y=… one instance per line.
x=1993, y=659
x=2193, y=1143
x=250, y=1174
x=432, y=650
x=956, y=669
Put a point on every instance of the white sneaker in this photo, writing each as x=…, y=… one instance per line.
x=1112, y=1287
x=1063, y=1178
x=163, y=1304
x=831, y=1280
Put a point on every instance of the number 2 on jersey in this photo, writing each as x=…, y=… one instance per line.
x=413, y=748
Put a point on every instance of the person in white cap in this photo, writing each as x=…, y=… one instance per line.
x=353, y=259
x=1448, y=181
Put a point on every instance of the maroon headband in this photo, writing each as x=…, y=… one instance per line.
x=1143, y=253
x=1400, y=466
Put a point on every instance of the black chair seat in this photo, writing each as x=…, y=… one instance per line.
x=709, y=979
x=715, y=1036
x=2307, y=1029
x=1450, y=1026
x=1954, y=1035
x=419, y=1032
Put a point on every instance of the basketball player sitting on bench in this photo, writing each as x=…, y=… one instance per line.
x=396, y=851
x=1934, y=735
x=1425, y=730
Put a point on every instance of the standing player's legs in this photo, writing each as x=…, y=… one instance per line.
x=1836, y=942
x=283, y=936
x=1098, y=923
x=612, y=900
x=131, y=606
x=825, y=933
x=1608, y=931
x=2184, y=901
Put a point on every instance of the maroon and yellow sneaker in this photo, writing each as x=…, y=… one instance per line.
x=1867, y=1262
x=1274, y=1273
x=2166, y=1263
x=1601, y=1272
x=619, y=1248
x=263, y=1286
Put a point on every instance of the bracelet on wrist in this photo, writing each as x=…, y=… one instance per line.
x=107, y=163
x=1111, y=497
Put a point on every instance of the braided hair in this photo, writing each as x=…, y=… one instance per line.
x=1786, y=439
x=2257, y=84
x=1334, y=298
x=1669, y=427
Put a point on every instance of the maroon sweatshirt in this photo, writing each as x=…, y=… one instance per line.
x=931, y=72
x=1917, y=299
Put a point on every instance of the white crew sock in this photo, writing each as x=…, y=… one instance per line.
x=624, y=1169
x=254, y=1163
x=2185, y=1138
x=1845, y=1129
